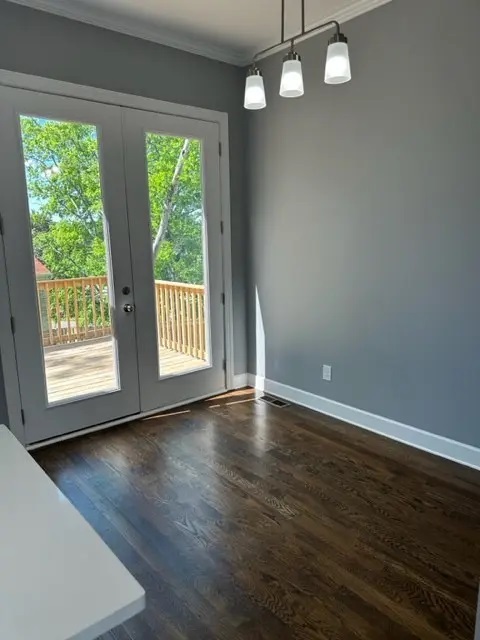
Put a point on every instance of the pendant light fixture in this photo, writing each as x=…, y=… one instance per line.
x=337, y=68
x=291, y=83
x=254, y=89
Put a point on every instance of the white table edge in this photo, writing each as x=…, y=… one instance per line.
x=18, y=457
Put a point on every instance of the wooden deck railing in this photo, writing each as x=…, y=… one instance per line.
x=77, y=309
x=181, y=317
x=74, y=309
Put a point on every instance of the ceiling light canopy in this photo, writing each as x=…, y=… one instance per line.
x=337, y=68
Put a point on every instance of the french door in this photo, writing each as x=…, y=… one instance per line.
x=113, y=259
x=175, y=316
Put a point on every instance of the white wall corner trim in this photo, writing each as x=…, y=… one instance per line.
x=135, y=28
x=438, y=445
x=161, y=35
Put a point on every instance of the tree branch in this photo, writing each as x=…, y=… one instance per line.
x=170, y=199
x=63, y=256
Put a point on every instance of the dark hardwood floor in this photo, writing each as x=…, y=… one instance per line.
x=244, y=522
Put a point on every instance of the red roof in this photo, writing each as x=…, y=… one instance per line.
x=41, y=269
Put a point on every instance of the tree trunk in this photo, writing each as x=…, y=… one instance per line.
x=170, y=199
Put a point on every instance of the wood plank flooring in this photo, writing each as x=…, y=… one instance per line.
x=248, y=522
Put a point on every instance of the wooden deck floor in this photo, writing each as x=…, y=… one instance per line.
x=88, y=368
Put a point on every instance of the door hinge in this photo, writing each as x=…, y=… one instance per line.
x=221, y=227
x=224, y=364
x=223, y=298
x=1, y=225
x=12, y=324
x=219, y=148
x=22, y=413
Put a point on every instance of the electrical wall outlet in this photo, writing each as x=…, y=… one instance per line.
x=327, y=372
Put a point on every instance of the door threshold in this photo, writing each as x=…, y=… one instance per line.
x=114, y=423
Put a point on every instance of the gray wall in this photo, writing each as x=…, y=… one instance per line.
x=365, y=221
x=42, y=44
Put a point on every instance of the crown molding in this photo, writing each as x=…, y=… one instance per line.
x=137, y=29
x=170, y=38
x=355, y=9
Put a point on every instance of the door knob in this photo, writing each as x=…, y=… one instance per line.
x=128, y=308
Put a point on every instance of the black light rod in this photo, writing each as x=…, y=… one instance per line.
x=299, y=35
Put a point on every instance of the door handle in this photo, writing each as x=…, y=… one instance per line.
x=128, y=308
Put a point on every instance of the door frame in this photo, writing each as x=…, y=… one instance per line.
x=93, y=94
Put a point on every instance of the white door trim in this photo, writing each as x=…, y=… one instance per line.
x=93, y=94
x=9, y=358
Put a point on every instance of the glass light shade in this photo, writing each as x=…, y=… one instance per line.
x=254, y=92
x=337, y=69
x=291, y=84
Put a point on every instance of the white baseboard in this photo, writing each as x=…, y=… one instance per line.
x=438, y=445
x=240, y=381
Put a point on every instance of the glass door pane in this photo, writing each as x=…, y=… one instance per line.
x=70, y=243
x=179, y=252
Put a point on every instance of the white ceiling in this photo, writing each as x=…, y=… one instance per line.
x=228, y=30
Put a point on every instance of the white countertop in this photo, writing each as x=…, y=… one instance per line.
x=58, y=579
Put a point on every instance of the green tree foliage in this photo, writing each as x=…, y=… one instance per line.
x=180, y=258
x=64, y=188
